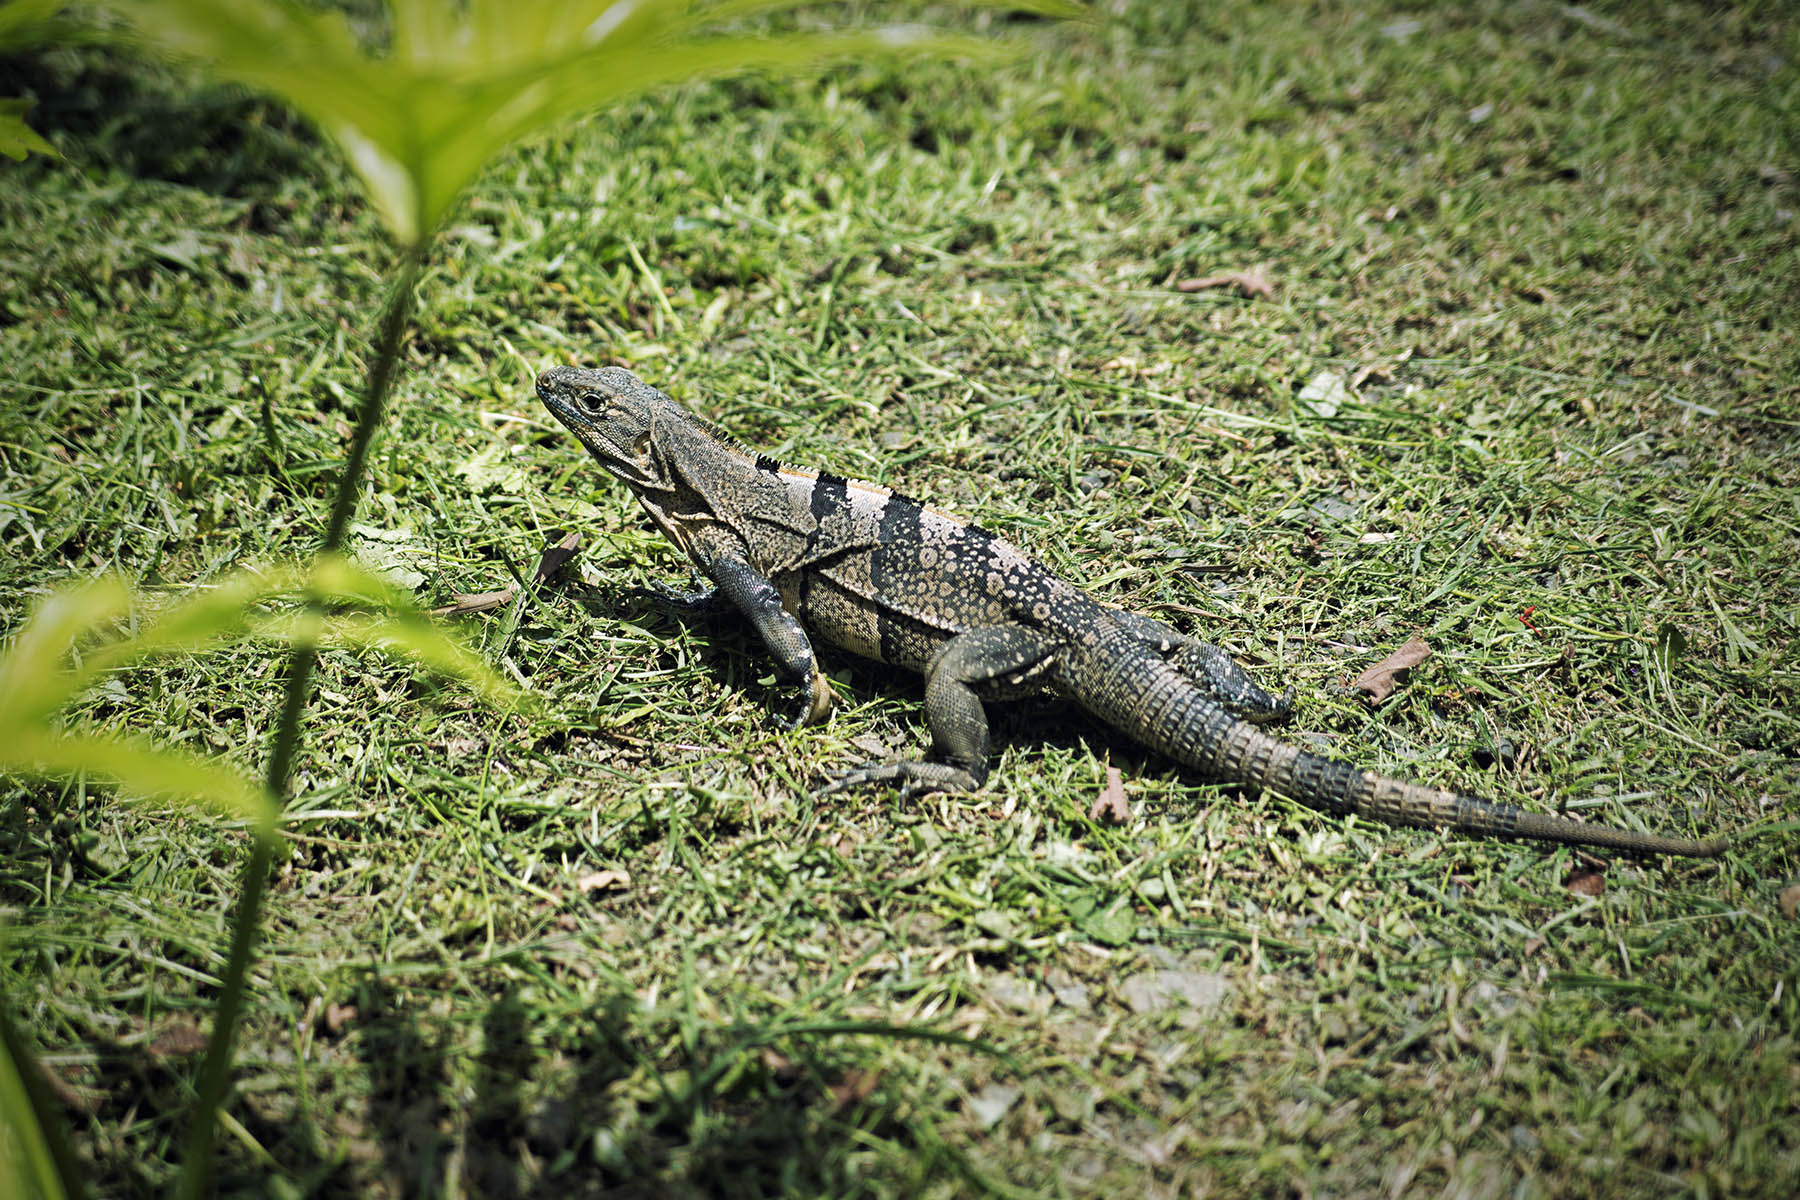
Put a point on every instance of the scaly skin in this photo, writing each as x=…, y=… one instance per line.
x=880, y=575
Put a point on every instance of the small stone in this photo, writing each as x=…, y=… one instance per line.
x=1021, y=995
x=992, y=1104
x=1153, y=991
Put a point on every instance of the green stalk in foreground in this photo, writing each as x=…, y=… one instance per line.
x=418, y=119
x=196, y=1158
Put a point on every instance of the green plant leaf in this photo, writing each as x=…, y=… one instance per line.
x=736, y=10
x=139, y=768
x=33, y=678
x=36, y=678
x=17, y=139
x=213, y=614
x=227, y=610
x=460, y=83
x=402, y=629
x=19, y=16
x=340, y=577
x=411, y=635
x=34, y=1157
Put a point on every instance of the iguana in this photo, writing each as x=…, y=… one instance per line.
x=883, y=576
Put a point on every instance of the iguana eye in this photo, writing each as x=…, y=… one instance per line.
x=592, y=403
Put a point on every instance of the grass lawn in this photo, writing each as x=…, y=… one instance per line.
x=1527, y=385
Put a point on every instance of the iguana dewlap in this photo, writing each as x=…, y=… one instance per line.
x=805, y=555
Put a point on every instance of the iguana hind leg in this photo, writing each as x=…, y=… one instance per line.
x=1211, y=668
x=1006, y=654
x=685, y=606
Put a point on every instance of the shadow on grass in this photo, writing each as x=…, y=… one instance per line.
x=546, y=1115
x=408, y=1072
x=148, y=120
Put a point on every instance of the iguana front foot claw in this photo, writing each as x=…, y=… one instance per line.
x=908, y=778
x=815, y=700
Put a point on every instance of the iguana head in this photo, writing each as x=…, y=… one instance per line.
x=617, y=417
x=678, y=465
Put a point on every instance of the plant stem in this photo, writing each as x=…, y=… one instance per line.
x=196, y=1159
x=381, y=377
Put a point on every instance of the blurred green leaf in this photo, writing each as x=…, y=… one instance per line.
x=140, y=768
x=411, y=635
x=1114, y=927
x=338, y=577
x=17, y=139
x=459, y=83
x=30, y=1165
x=211, y=615
x=63, y=649
x=400, y=629
x=18, y=17
x=33, y=680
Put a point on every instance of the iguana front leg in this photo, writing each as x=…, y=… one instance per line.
x=959, y=731
x=1211, y=668
x=760, y=602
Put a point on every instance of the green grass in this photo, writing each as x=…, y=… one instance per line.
x=1554, y=247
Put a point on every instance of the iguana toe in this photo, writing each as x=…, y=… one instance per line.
x=1269, y=710
x=815, y=701
x=908, y=778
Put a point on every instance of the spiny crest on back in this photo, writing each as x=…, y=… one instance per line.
x=705, y=425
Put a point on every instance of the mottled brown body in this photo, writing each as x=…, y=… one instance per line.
x=883, y=576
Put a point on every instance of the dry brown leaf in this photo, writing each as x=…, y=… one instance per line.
x=177, y=1041
x=1111, y=804
x=1252, y=283
x=555, y=557
x=855, y=1087
x=462, y=747
x=1585, y=881
x=552, y=560
x=470, y=602
x=600, y=881
x=1380, y=680
x=85, y=1100
x=1790, y=902
x=781, y=1068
